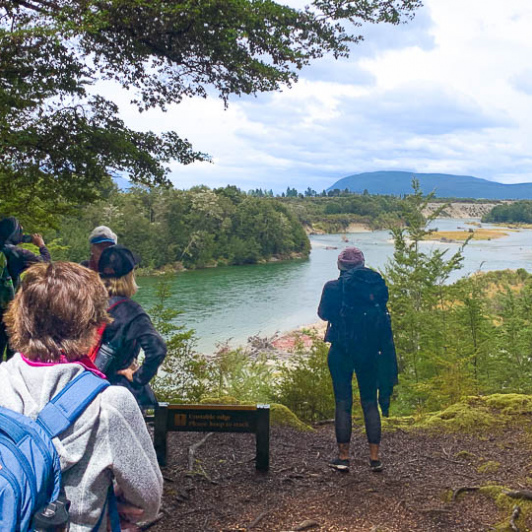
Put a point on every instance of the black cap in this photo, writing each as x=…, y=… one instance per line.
x=116, y=261
x=10, y=231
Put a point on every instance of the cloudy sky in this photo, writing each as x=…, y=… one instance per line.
x=449, y=92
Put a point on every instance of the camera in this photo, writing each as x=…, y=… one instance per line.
x=27, y=239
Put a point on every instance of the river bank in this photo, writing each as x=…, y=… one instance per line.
x=264, y=299
x=462, y=210
x=453, y=210
x=178, y=267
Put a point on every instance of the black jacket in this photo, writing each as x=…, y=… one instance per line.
x=131, y=330
x=355, y=307
x=20, y=259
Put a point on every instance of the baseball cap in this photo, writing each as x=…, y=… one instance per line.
x=117, y=261
x=102, y=234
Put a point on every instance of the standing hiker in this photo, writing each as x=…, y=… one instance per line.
x=13, y=261
x=360, y=334
x=131, y=330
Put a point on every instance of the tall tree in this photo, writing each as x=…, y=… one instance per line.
x=60, y=139
x=416, y=276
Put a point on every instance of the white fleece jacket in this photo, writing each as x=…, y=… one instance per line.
x=109, y=439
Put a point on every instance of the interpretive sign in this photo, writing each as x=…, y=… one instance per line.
x=214, y=418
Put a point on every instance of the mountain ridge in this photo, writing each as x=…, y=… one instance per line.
x=443, y=185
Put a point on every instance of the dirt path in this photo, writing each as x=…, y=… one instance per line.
x=227, y=494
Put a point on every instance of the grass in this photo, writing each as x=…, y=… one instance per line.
x=462, y=236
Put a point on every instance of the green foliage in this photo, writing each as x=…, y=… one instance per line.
x=185, y=375
x=453, y=341
x=335, y=214
x=304, y=384
x=196, y=228
x=60, y=140
x=416, y=280
x=517, y=212
x=236, y=373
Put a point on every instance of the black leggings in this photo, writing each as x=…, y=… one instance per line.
x=342, y=364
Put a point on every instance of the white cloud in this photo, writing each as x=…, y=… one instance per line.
x=450, y=92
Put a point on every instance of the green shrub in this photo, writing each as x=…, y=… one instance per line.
x=304, y=384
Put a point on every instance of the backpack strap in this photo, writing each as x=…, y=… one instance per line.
x=64, y=409
x=111, y=509
x=70, y=403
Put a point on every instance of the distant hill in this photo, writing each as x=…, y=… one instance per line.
x=444, y=185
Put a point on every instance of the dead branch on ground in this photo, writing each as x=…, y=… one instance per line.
x=257, y=520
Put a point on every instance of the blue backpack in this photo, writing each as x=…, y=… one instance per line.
x=30, y=474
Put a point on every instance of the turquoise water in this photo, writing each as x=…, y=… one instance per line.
x=233, y=303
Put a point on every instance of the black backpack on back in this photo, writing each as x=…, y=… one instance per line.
x=7, y=288
x=363, y=313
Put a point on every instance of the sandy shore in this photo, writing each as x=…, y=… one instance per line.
x=302, y=336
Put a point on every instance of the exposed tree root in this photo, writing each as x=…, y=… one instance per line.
x=520, y=494
x=515, y=515
x=463, y=489
x=193, y=448
x=258, y=519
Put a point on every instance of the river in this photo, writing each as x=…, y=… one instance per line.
x=235, y=302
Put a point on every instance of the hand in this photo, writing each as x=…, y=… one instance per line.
x=128, y=513
x=128, y=373
x=37, y=240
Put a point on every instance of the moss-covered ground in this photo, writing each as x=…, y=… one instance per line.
x=475, y=414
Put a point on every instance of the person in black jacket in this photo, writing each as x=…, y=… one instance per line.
x=360, y=334
x=18, y=260
x=131, y=329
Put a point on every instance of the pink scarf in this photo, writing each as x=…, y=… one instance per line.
x=84, y=361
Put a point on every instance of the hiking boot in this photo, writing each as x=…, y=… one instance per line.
x=340, y=465
x=376, y=466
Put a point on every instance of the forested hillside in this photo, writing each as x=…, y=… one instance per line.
x=334, y=214
x=518, y=212
x=195, y=228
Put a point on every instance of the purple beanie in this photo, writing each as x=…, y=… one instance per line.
x=350, y=258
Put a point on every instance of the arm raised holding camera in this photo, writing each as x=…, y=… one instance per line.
x=27, y=258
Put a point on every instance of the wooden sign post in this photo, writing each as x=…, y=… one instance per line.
x=214, y=418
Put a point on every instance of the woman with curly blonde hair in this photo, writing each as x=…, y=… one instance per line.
x=52, y=323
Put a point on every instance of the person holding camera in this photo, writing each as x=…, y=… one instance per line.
x=13, y=261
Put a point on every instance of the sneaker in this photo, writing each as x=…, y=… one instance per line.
x=376, y=466
x=340, y=465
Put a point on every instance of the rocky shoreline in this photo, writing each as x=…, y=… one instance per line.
x=461, y=210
